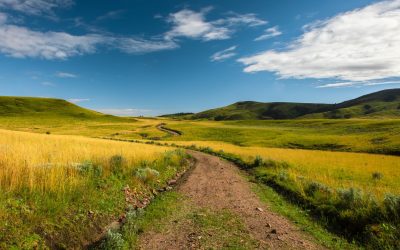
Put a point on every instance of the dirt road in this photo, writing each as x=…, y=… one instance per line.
x=162, y=127
x=218, y=185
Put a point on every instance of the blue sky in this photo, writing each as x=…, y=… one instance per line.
x=149, y=57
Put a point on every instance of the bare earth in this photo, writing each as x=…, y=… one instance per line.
x=216, y=184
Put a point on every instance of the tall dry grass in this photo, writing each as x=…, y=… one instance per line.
x=49, y=162
x=334, y=169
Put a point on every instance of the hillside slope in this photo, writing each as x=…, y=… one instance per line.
x=44, y=107
x=385, y=103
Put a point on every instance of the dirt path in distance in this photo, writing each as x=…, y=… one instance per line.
x=217, y=185
x=162, y=127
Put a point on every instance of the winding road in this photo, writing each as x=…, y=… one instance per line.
x=218, y=185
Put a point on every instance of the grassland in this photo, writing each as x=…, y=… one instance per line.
x=58, y=190
x=334, y=169
x=320, y=162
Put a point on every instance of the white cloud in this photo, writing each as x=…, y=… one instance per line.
x=35, y=7
x=78, y=100
x=192, y=24
x=125, y=111
x=65, y=75
x=269, y=33
x=115, y=14
x=224, y=54
x=356, y=46
x=3, y=18
x=249, y=19
x=21, y=42
x=356, y=84
x=48, y=84
x=188, y=23
x=139, y=46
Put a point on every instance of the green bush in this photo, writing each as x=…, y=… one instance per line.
x=117, y=162
x=113, y=241
x=147, y=174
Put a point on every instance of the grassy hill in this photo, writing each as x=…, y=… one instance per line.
x=385, y=103
x=44, y=107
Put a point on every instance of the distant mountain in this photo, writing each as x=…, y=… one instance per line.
x=385, y=103
x=11, y=106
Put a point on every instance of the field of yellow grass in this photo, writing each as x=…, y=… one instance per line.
x=334, y=169
x=49, y=162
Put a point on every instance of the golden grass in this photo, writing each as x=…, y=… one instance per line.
x=46, y=162
x=334, y=169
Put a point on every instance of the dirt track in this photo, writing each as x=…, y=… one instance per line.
x=216, y=184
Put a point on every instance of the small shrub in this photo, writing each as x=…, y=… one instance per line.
x=84, y=168
x=48, y=132
x=147, y=174
x=350, y=198
x=258, y=161
x=113, y=241
x=377, y=176
x=316, y=187
x=116, y=163
x=392, y=207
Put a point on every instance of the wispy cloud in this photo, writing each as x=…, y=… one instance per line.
x=269, y=33
x=48, y=84
x=125, y=111
x=21, y=42
x=115, y=14
x=356, y=46
x=191, y=24
x=356, y=84
x=78, y=100
x=249, y=19
x=223, y=54
x=36, y=7
x=139, y=46
x=65, y=75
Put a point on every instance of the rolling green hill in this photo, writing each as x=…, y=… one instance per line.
x=385, y=103
x=44, y=107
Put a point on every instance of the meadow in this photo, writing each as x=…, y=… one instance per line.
x=320, y=164
x=355, y=195
x=57, y=190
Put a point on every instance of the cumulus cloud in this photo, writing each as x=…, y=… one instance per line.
x=355, y=46
x=224, y=54
x=188, y=23
x=35, y=7
x=125, y=111
x=78, y=100
x=65, y=75
x=192, y=24
x=22, y=42
x=269, y=33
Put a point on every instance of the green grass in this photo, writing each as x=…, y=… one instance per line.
x=384, y=103
x=301, y=218
x=45, y=220
x=356, y=135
